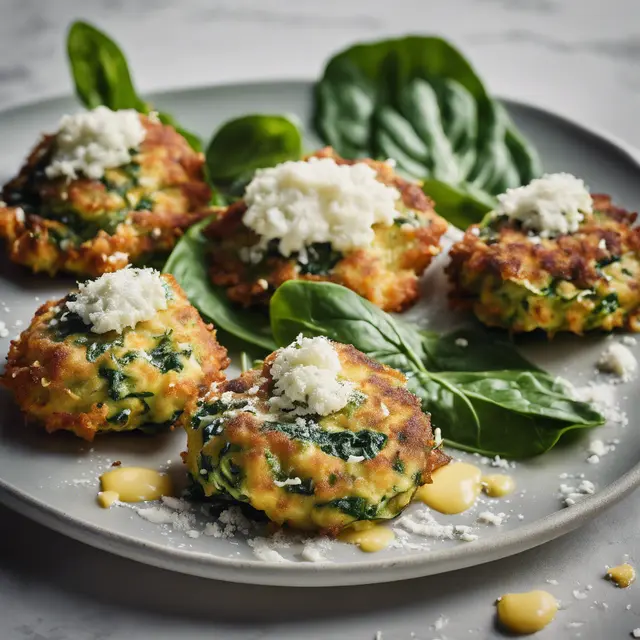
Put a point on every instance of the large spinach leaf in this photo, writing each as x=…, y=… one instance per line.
x=417, y=100
x=101, y=76
x=478, y=389
x=251, y=142
x=188, y=265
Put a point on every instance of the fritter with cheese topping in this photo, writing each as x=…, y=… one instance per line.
x=65, y=376
x=313, y=471
x=577, y=282
x=386, y=272
x=93, y=226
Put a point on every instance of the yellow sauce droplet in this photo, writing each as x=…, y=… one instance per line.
x=371, y=539
x=454, y=489
x=498, y=485
x=136, y=484
x=107, y=498
x=623, y=575
x=524, y=613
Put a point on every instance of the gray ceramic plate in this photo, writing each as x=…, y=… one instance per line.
x=54, y=478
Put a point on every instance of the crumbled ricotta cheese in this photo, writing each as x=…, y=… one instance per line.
x=301, y=203
x=571, y=494
x=89, y=142
x=597, y=449
x=4, y=332
x=118, y=300
x=491, y=518
x=437, y=435
x=552, y=205
x=305, y=376
x=636, y=633
x=263, y=550
x=602, y=398
x=617, y=359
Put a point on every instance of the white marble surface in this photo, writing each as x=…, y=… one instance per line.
x=578, y=57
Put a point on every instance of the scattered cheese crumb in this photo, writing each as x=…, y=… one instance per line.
x=636, y=633
x=437, y=435
x=462, y=342
x=571, y=494
x=630, y=341
x=118, y=300
x=552, y=205
x=4, y=332
x=307, y=202
x=91, y=141
x=617, y=359
x=263, y=550
x=491, y=518
x=305, y=376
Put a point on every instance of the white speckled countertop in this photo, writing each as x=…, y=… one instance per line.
x=580, y=58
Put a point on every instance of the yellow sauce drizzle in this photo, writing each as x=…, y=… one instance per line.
x=455, y=488
x=623, y=575
x=525, y=613
x=107, y=498
x=369, y=539
x=498, y=485
x=136, y=484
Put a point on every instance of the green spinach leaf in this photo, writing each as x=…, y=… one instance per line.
x=478, y=389
x=417, y=100
x=101, y=75
x=188, y=265
x=462, y=205
x=251, y=142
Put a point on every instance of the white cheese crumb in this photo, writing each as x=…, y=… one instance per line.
x=440, y=623
x=636, y=633
x=157, y=515
x=462, y=342
x=313, y=550
x=598, y=449
x=602, y=398
x=617, y=359
x=20, y=217
x=579, y=595
x=571, y=494
x=305, y=376
x=118, y=300
x=553, y=582
x=353, y=458
x=305, y=202
x=552, y=205
x=437, y=435
x=630, y=341
x=491, y=518
x=263, y=550
x=501, y=463
x=4, y=332
x=288, y=482
x=384, y=409
x=91, y=141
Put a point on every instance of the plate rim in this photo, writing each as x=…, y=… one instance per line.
x=411, y=565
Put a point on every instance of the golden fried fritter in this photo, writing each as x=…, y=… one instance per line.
x=363, y=462
x=66, y=377
x=91, y=227
x=577, y=282
x=385, y=273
